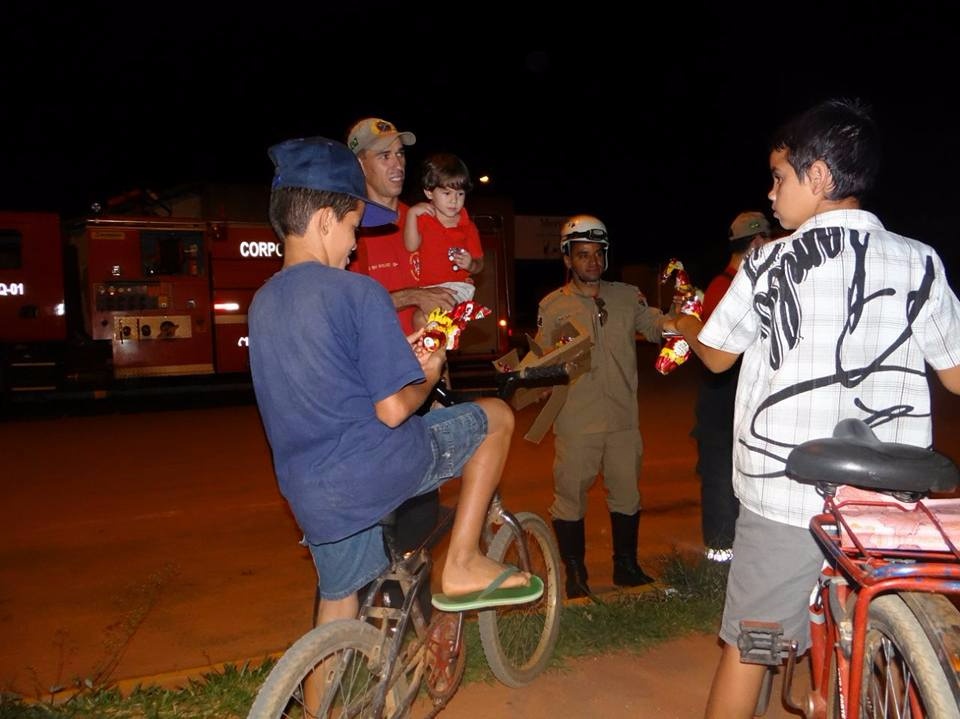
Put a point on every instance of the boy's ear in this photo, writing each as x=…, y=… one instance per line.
x=321, y=219
x=820, y=177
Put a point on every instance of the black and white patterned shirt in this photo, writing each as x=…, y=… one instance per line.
x=838, y=320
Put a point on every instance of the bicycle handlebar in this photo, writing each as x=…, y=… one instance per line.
x=547, y=376
x=510, y=382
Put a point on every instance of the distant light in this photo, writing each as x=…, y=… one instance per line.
x=483, y=179
x=502, y=323
x=59, y=310
x=227, y=306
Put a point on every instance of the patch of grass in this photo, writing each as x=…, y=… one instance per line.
x=691, y=602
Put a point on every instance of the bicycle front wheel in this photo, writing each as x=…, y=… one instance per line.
x=332, y=671
x=518, y=640
x=902, y=676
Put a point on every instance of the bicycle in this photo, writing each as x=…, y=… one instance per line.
x=373, y=666
x=884, y=618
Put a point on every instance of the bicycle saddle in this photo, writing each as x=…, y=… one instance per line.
x=856, y=457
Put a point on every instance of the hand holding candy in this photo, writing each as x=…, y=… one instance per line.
x=689, y=301
x=444, y=328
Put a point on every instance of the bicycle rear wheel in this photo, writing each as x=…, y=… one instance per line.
x=902, y=676
x=940, y=619
x=518, y=640
x=335, y=668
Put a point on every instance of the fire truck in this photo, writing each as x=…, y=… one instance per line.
x=116, y=303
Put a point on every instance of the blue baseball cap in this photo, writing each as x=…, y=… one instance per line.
x=318, y=163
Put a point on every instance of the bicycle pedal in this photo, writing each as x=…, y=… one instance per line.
x=761, y=643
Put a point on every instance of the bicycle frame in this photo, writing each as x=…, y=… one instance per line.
x=857, y=574
x=411, y=571
x=396, y=649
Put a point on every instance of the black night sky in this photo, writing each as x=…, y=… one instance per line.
x=656, y=121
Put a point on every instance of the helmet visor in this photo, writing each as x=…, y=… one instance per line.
x=592, y=235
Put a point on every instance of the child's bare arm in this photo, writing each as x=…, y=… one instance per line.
x=950, y=378
x=468, y=262
x=411, y=234
x=395, y=409
x=713, y=359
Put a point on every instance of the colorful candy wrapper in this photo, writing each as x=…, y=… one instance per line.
x=676, y=350
x=444, y=328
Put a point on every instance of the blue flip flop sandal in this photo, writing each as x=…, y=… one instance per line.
x=492, y=596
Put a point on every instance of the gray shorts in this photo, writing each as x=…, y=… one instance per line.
x=348, y=564
x=774, y=570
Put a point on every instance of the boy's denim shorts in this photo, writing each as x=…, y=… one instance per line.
x=345, y=566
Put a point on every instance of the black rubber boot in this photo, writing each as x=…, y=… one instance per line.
x=570, y=539
x=626, y=571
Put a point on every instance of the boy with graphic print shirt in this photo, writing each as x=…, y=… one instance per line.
x=835, y=321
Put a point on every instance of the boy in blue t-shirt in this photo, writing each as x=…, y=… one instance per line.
x=337, y=384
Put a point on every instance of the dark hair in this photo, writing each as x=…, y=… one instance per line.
x=443, y=169
x=742, y=243
x=292, y=207
x=842, y=134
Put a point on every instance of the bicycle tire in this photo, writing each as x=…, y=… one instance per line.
x=350, y=640
x=899, y=663
x=834, y=692
x=518, y=641
x=940, y=620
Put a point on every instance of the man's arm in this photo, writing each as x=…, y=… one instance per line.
x=426, y=298
x=689, y=326
x=648, y=320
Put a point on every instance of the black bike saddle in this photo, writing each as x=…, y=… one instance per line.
x=856, y=457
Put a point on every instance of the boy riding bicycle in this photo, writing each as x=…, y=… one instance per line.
x=337, y=385
x=835, y=321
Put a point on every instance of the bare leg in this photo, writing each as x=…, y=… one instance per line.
x=330, y=610
x=736, y=687
x=466, y=569
x=333, y=609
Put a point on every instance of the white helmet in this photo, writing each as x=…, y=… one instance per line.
x=584, y=228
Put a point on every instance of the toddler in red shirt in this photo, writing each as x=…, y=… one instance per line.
x=446, y=238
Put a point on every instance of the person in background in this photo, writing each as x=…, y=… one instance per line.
x=713, y=430
x=598, y=428
x=839, y=320
x=442, y=231
x=381, y=254
x=381, y=149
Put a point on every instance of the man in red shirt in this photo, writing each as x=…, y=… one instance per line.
x=380, y=251
x=381, y=254
x=713, y=431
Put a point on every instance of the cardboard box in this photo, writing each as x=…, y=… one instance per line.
x=573, y=347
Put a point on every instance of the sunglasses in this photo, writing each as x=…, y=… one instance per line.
x=601, y=310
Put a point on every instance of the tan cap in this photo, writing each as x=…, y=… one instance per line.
x=748, y=224
x=372, y=133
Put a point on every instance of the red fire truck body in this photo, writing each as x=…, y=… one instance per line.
x=32, y=302
x=120, y=299
x=168, y=296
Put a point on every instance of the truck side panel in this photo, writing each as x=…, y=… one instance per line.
x=31, y=278
x=148, y=293
x=242, y=256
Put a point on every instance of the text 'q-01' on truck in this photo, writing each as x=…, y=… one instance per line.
x=127, y=303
